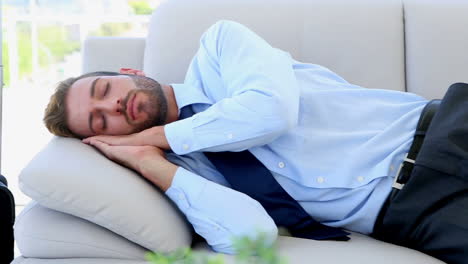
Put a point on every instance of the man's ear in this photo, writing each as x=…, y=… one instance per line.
x=131, y=71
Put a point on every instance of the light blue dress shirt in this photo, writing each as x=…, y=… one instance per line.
x=333, y=146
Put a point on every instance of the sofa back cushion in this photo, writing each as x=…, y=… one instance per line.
x=360, y=40
x=436, y=45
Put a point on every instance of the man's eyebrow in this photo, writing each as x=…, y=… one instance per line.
x=93, y=87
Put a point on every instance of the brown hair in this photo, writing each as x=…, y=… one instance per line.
x=55, y=116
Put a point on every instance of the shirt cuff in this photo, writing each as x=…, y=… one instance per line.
x=179, y=135
x=186, y=187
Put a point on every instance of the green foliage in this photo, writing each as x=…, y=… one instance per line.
x=112, y=29
x=141, y=7
x=6, y=65
x=54, y=44
x=256, y=251
x=24, y=48
x=184, y=256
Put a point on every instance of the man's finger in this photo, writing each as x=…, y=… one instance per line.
x=103, y=147
x=113, y=153
x=98, y=138
x=131, y=71
x=124, y=70
x=126, y=140
x=110, y=140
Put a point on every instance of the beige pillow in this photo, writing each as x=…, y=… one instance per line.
x=74, y=178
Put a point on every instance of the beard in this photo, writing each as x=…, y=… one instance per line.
x=155, y=106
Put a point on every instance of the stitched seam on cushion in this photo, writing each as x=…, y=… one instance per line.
x=23, y=214
x=77, y=243
x=405, y=57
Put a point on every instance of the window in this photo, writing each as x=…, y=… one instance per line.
x=41, y=43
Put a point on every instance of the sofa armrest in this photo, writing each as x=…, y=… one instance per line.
x=112, y=53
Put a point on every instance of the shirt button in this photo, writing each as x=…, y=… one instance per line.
x=185, y=146
x=360, y=179
x=181, y=197
x=230, y=135
x=281, y=165
x=320, y=179
x=392, y=167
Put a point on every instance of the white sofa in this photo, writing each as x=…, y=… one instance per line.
x=417, y=46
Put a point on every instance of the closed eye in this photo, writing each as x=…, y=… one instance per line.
x=106, y=90
x=104, y=122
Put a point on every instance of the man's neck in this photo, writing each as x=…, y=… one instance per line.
x=172, y=108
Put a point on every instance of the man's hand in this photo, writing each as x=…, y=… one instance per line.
x=131, y=71
x=124, y=140
x=149, y=161
x=151, y=137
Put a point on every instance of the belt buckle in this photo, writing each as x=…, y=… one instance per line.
x=396, y=184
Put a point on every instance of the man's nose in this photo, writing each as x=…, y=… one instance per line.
x=111, y=107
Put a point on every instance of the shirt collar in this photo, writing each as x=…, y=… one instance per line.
x=187, y=94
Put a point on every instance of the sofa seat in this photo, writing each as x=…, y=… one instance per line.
x=360, y=249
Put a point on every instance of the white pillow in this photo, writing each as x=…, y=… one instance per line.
x=74, y=178
x=41, y=232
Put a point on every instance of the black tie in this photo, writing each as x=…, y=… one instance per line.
x=248, y=175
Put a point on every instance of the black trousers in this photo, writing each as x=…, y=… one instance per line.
x=430, y=213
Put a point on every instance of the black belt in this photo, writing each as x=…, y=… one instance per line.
x=406, y=167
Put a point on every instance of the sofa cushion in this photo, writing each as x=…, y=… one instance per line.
x=360, y=249
x=41, y=232
x=74, y=178
x=126, y=52
x=436, y=45
x=360, y=40
x=44, y=233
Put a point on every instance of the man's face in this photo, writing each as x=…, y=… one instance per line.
x=114, y=105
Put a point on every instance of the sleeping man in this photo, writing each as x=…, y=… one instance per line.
x=253, y=140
